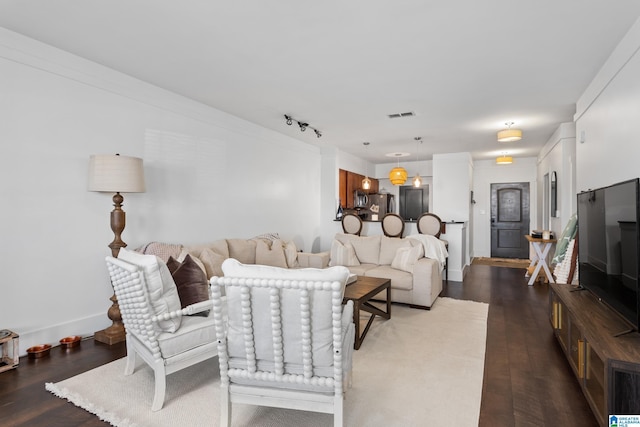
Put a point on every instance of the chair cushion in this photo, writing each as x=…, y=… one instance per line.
x=191, y=282
x=271, y=253
x=406, y=258
x=194, y=332
x=163, y=294
x=321, y=316
x=343, y=254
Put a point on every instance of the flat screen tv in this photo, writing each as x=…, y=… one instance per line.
x=608, y=246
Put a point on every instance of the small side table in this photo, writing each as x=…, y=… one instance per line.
x=8, y=350
x=541, y=249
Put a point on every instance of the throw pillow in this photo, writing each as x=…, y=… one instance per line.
x=212, y=262
x=270, y=253
x=291, y=253
x=406, y=258
x=191, y=282
x=343, y=254
x=162, y=291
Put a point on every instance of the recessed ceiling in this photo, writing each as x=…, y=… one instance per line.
x=463, y=67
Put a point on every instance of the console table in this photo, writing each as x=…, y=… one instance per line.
x=541, y=249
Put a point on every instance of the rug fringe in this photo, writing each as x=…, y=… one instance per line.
x=78, y=401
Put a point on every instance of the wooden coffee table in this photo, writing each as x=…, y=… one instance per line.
x=360, y=292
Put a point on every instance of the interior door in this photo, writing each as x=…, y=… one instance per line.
x=510, y=209
x=413, y=201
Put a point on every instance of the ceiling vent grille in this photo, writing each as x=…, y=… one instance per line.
x=400, y=115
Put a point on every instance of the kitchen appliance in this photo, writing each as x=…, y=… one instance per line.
x=381, y=204
x=360, y=199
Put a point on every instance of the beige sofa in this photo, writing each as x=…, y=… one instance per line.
x=415, y=279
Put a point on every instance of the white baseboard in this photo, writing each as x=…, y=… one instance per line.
x=84, y=327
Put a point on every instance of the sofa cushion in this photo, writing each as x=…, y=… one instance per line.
x=243, y=250
x=219, y=247
x=270, y=253
x=388, y=248
x=343, y=254
x=399, y=279
x=406, y=258
x=212, y=262
x=291, y=253
x=361, y=270
x=162, y=291
x=191, y=282
x=367, y=247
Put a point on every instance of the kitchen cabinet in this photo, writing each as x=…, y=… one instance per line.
x=348, y=182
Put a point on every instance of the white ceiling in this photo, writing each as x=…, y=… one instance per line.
x=465, y=67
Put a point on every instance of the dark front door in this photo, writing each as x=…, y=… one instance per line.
x=510, y=220
x=413, y=201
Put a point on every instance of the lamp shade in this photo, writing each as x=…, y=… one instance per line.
x=504, y=160
x=509, y=135
x=398, y=176
x=116, y=174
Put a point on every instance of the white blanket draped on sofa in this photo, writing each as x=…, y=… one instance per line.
x=434, y=248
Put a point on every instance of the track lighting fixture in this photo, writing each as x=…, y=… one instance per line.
x=303, y=125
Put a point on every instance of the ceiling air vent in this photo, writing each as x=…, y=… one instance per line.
x=400, y=115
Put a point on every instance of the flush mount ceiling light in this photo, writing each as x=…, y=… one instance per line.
x=303, y=125
x=504, y=160
x=366, y=182
x=398, y=175
x=508, y=134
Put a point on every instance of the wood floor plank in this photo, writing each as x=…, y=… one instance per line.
x=527, y=380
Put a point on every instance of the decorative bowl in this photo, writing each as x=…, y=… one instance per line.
x=38, y=351
x=70, y=342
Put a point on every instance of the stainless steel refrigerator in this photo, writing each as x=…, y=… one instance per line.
x=380, y=205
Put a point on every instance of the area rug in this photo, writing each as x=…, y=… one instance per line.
x=418, y=368
x=502, y=262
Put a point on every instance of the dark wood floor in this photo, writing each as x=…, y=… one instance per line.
x=527, y=380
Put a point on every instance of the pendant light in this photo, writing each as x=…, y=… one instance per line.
x=504, y=160
x=508, y=134
x=398, y=175
x=417, y=180
x=366, y=182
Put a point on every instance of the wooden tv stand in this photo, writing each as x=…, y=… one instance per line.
x=607, y=367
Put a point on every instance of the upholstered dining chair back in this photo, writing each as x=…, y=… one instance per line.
x=392, y=225
x=158, y=330
x=351, y=224
x=284, y=337
x=429, y=223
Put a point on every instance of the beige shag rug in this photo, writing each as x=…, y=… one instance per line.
x=420, y=368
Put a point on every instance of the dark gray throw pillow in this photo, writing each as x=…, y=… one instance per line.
x=191, y=282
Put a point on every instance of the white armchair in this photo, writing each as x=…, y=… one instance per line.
x=158, y=330
x=284, y=338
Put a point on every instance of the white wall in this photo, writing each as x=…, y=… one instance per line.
x=606, y=119
x=487, y=172
x=558, y=155
x=209, y=175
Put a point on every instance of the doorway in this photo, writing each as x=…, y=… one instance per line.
x=510, y=210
